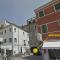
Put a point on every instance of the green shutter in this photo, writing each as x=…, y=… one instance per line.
x=57, y=6
x=41, y=14
x=44, y=28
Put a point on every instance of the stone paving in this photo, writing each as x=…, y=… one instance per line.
x=31, y=57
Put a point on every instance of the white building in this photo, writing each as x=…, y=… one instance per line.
x=13, y=38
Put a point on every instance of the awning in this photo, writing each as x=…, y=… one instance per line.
x=51, y=45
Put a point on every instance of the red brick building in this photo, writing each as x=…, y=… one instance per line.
x=48, y=22
x=48, y=19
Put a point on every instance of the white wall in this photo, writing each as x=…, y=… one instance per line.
x=39, y=36
x=8, y=34
x=21, y=36
x=3, y=22
x=1, y=36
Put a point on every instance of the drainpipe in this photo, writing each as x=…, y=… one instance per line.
x=12, y=47
x=18, y=39
x=12, y=44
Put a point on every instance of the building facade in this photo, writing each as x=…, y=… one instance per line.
x=13, y=38
x=34, y=36
x=48, y=24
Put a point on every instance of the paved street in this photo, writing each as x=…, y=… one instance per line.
x=32, y=57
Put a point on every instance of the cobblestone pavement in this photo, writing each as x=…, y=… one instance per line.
x=31, y=57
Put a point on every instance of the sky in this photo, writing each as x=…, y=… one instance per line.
x=18, y=11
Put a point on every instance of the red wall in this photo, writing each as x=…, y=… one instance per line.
x=48, y=10
x=39, y=29
x=53, y=27
x=49, y=19
x=45, y=36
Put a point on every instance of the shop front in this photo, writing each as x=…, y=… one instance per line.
x=51, y=50
x=54, y=54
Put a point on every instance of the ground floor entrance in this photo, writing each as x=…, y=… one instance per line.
x=8, y=52
x=52, y=50
x=54, y=54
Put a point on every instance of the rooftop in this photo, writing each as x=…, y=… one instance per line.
x=45, y=5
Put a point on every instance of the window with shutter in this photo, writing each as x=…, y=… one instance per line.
x=57, y=6
x=41, y=13
x=44, y=28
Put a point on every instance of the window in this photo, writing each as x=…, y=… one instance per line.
x=57, y=6
x=41, y=14
x=10, y=39
x=4, y=40
x=15, y=29
x=54, y=54
x=5, y=31
x=15, y=40
x=33, y=21
x=29, y=22
x=35, y=26
x=23, y=33
x=10, y=29
x=0, y=50
x=24, y=43
x=44, y=28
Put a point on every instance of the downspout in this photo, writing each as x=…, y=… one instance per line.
x=18, y=39
x=12, y=42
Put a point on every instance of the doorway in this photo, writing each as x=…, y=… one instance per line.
x=54, y=54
